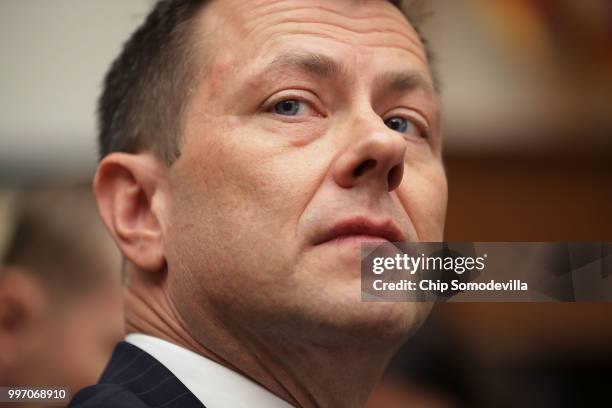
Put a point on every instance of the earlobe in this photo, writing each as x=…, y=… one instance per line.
x=129, y=189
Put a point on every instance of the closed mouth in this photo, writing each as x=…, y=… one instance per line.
x=364, y=229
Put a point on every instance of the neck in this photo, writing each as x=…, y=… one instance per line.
x=304, y=373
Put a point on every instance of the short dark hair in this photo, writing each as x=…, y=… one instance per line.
x=146, y=89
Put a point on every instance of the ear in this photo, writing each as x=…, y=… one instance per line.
x=22, y=308
x=130, y=191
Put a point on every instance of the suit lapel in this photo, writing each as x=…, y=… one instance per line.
x=146, y=377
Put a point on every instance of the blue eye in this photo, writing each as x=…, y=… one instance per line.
x=289, y=107
x=398, y=124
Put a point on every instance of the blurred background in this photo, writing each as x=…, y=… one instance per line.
x=527, y=95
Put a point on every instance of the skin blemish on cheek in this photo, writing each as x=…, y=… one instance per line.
x=299, y=142
x=233, y=123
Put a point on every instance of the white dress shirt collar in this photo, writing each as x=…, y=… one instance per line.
x=214, y=385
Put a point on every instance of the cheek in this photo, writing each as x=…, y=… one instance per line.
x=240, y=177
x=236, y=203
x=423, y=194
x=58, y=358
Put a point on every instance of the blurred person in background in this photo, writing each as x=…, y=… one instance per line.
x=60, y=288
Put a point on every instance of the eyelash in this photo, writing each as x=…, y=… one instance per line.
x=269, y=105
x=419, y=123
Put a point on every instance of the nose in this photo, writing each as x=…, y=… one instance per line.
x=374, y=158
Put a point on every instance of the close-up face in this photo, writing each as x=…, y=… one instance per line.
x=315, y=126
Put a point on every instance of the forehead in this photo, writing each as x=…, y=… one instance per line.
x=350, y=30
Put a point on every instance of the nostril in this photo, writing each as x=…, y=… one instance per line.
x=395, y=176
x=364, y=167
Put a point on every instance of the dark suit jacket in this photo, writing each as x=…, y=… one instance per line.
x=134, y=379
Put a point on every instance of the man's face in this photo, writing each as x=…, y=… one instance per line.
x=315, y=127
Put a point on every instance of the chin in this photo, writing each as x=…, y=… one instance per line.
x=337, y=262
x=351, y=321
x=329, y=304
x=386, y=322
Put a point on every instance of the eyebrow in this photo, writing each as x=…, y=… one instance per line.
x=323, y=66
x=403, y=81
x=315, y=64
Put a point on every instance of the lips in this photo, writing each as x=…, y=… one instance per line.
x=362, y=228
